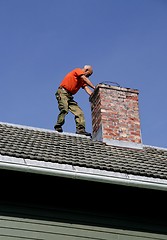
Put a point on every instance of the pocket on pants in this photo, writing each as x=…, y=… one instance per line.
x=58, y=96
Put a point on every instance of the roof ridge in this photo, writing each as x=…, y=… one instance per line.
x=42, y=129
x=66, y=133
x=155, y=147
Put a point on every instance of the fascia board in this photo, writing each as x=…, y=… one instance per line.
x=82, y=173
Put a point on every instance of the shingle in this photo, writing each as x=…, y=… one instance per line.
x=49, y=146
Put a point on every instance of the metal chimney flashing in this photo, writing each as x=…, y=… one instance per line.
x=117, y=143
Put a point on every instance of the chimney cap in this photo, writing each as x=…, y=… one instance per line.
x=108, y=86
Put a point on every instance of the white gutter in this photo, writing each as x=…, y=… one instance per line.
x=88, y=174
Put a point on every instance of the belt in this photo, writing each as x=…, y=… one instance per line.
x=65, y=90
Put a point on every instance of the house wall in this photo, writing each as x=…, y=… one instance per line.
x=45, y=207
x=15, y=228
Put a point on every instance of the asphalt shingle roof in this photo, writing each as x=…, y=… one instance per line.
x=76, y=150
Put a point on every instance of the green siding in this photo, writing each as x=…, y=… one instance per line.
x=41, y=207
x=12, y=228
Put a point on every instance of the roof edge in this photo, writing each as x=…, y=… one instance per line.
x=81, y=173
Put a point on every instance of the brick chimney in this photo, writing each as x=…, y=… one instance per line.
x=115, y=116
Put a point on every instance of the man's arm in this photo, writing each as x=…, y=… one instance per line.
x=87, y=81
x=88, y=90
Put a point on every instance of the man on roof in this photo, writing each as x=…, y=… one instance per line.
x=70, y=85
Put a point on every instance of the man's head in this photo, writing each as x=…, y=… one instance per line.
x=88, y=70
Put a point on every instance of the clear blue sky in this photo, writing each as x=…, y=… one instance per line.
x=124, y=40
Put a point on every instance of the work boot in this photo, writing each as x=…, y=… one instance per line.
x=83, y=132
x=58, y=128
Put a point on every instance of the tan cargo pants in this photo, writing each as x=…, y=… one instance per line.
x=66, y=103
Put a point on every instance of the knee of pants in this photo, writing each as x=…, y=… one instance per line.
x=80, y=116
x=64, y=111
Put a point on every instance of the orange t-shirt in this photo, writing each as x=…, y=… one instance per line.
x=72, y=81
